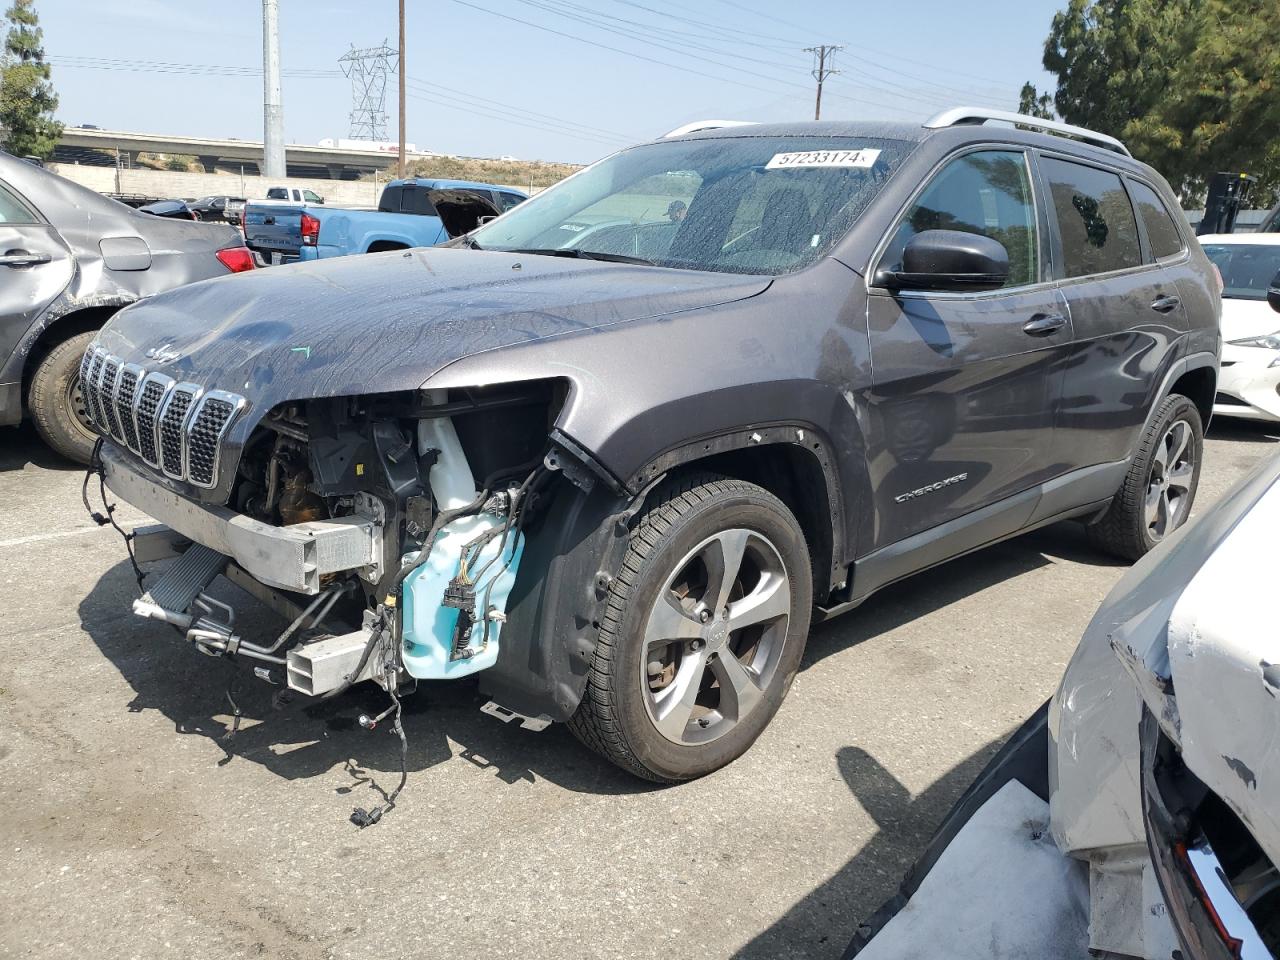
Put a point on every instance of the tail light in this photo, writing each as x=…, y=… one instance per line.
x=310, y=230
x=236, y=259
x=1218, y=274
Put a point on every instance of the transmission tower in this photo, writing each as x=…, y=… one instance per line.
x=368, y=69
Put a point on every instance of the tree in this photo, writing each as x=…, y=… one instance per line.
x=27, y=100
x=1189, y=85
x=1033, y=103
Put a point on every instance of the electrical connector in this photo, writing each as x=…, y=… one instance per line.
x=460, y=594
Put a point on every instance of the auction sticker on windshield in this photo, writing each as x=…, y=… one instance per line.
x=823, y=158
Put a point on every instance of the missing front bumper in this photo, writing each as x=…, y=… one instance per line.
x=288, y=558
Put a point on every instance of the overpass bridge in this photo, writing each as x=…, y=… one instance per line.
x=94, y=147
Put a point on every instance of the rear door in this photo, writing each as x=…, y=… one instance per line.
x=966, y=384
x=1125, y=307
x=35, y=267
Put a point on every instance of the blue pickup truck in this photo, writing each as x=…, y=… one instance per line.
x=411, y=213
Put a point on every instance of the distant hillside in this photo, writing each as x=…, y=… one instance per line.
x=516, y=173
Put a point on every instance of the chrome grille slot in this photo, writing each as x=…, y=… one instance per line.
x=171, y=431
x=90, y=388
x=155, y=386
x=107, y=397
x=126, y=393
x=84, y=380
x=208, y=424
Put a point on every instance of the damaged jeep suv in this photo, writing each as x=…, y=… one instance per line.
x=613, y=452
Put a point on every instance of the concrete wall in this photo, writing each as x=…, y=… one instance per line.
x=173, y=184
x=168, y=183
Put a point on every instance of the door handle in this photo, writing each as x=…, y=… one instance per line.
x=1165, y=304
x=21, y=258
x=1043, y=324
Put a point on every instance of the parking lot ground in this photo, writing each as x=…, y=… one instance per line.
x=130, y=828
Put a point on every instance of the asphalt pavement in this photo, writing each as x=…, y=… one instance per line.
x=130, y=828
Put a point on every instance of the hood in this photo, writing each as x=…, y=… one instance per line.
x=386, y=322
x=1247, y=318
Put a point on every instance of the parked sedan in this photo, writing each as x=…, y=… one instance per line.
x=1249, y=384
x=69, y=259
x=215, y=208
x=170, y=209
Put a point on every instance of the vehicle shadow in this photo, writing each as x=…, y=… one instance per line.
x=919, y=596
x=442, y=720
x=21, y=445
x=1235, y=430
x=905, y=825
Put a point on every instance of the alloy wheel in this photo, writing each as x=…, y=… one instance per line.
x=1168, y=498
x=714, y=636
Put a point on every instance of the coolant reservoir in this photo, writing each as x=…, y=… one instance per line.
x=430, y=628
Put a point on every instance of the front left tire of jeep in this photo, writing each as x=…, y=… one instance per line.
x=703, y=630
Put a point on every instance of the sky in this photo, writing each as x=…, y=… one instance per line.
x=566, y=80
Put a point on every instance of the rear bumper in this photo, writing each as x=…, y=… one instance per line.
x=287, y=558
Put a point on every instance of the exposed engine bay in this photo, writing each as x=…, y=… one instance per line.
x=398, y=520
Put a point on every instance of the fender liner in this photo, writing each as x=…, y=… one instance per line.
x=554, y=611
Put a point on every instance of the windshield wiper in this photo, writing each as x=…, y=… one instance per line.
x=469, y=242
x=579, y=254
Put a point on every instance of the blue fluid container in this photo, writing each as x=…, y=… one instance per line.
x=429, y=625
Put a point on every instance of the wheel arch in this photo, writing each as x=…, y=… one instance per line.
x=60, y=327
x=1198, y=384
x=791, y=461
x=382, y=246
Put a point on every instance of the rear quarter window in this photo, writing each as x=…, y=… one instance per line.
x=13, y=210
x=1096, y=223
x=1162, y=232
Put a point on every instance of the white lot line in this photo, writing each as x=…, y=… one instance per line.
x=38, y=537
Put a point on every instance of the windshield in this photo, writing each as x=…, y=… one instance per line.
x=1247, y=268
x=765, y=205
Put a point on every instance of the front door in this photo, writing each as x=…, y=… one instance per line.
x=965, y=386
x=35, y=266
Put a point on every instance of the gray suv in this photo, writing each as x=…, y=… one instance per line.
x=615, y=451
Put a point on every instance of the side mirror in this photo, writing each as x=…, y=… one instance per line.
x=1273, y=293
x=949, y=260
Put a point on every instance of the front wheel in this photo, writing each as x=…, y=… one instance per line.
x=1160, y=486
x=703, y=630
x=56, y=401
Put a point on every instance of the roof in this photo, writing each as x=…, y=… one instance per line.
x=428, y=184
x=818, y=128
x=1254, y=239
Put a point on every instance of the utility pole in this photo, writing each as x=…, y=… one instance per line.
x=272, y=110
x=401, y=170
x=823, y=56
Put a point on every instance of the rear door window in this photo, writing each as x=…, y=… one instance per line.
x=1162, y=232
x=987, y=193
x=13, y=210
x=1096, y=223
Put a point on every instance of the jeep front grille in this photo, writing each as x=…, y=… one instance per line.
x=177, y=427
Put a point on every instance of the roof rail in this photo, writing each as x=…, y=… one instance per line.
x=958, y=116
x=699, y=125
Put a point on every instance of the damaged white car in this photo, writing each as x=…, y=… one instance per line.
x=1156, y=769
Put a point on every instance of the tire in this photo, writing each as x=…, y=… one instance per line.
x=633, y=712
x=1165, y=472
x=53, y=396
